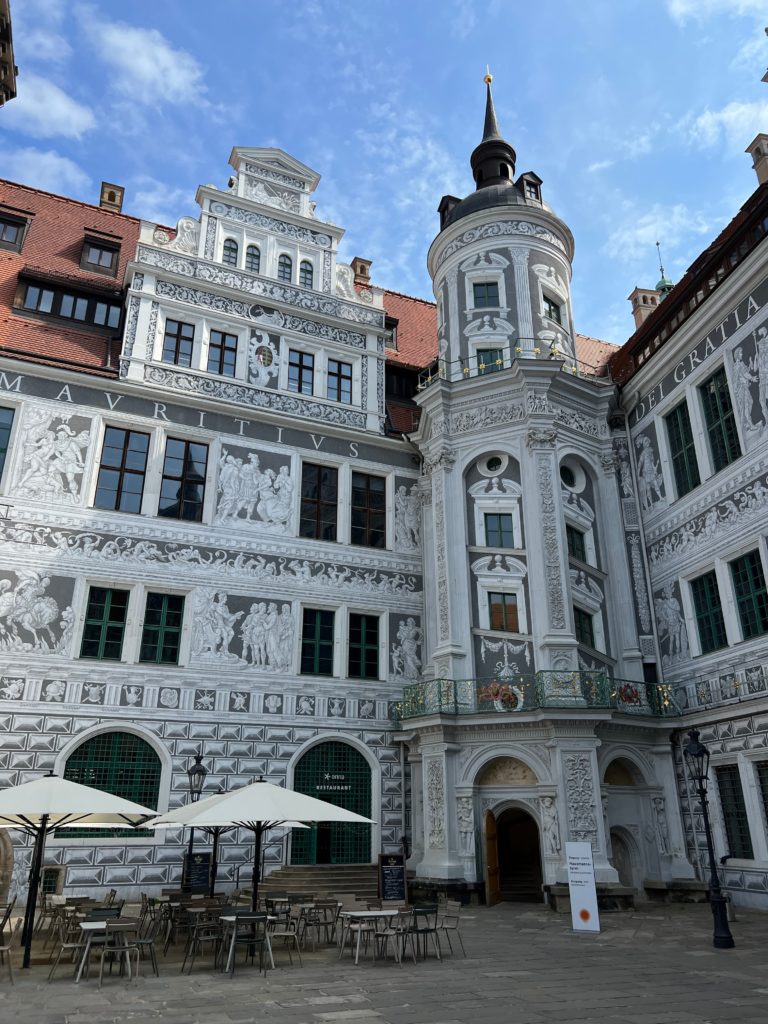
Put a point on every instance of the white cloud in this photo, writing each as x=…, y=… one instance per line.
x=45, y=169
x=44, y=110
x=634, y=237
x=159, y=203
x=38, y=36
x=752, y=54
x=600, y=165
x=698, y=10
x=735, y=124
x=146, y=67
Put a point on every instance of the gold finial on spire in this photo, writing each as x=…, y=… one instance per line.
x=488, y=77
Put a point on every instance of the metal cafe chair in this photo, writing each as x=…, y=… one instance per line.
x=5, y=948
x=285, y=928
x=424, y=926
x=449, y=922
x=249, y=930
x=119, y=945
x=206, y=931
x=147, y=938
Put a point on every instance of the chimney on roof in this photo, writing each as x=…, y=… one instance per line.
x=758, y=150
x=362, y=270
x=644, y=301
x=111, y=197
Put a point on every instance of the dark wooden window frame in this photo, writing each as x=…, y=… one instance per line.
x=284, y=268
x=751, y=594
x=584, y=627
x=221, y=345
x=319, y=513
x=510, y=612
x=577, y=542
x=553, y=309
x=253, y=259
x=19, y=225
x=363, y=661
x=123, y=470
x=7, y=416
x=58, y=297
x=682, y=449
x=708, y=612
x=176, y=338
x=734, y=810
x=230, y=252
x=104, y=247
x=720, y=421
x=483, y=292
x=339, y=381
x=301, y=371
x=495, y=532
x=306, y=274
x=184, y=481
x=372, y=532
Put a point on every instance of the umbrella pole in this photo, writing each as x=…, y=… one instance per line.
x=34, y=881
x=256, y=867
x=214, y=863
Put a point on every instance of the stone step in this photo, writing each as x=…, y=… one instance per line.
x=358, y=879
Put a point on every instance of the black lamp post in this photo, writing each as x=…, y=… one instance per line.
x=196, y=774
x=697, y=759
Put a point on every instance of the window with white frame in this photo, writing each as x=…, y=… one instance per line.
x=500, y=590
x=587, y=610
x=484, y=282
x=497, y=512
x=579, y=520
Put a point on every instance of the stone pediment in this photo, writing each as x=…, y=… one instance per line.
x=277, y=161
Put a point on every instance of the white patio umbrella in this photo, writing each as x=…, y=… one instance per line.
x=258, y=808
x=46, y=805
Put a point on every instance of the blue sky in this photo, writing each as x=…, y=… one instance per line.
x=635, y=113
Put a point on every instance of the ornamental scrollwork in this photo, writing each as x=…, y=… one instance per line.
x=435, y=804
x=279, y=227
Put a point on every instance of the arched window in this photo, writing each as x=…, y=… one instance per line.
x=120, y=763
x=253, y=259
x=229, y=252
x=306, y=274
x=284, y=268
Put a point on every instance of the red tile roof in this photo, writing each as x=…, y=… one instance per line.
x=416, y=330
x=52, y=247
x=593, y=355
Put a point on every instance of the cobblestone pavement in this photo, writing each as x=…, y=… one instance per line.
x=524, y=966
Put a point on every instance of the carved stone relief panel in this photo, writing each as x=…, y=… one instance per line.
x=552, y=567
x=650, y=481
x=407, y=515
x=435, y=803
x=261, y=632
x=255, y=488
x=579, y=786
x=406, y=639
x=35, y=612
x=673, y=635
x=54, y=449
x=507, y=771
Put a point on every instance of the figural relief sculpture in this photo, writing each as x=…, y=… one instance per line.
x=247, y=492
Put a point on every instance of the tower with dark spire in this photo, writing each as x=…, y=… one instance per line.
x=493, y=160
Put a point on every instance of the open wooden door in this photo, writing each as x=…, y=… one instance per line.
x=492, y=883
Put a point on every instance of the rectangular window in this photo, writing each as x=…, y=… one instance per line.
x=709, y=612
x=485, y=294
x=552, y=310
x=11, y=233
x=682, y=450
x=762, y=781
x=489, y=360
x=319, y=498
x=751, y=595
x=222, y=353
x=503, y=612
x=369, y=510
x=576, y=545
x=583, y=627
x=317, y=643
x=721, y=424
x=363, y=646
x=499, y=530
x=339, y=381
x=161, y=635
x=6, y=423
x=85, y=309
x=104, y=624
x=99, y=258
x=734, y=811
x=123, y=466
x=177, y=343
x=182, y=491
x=301, y=372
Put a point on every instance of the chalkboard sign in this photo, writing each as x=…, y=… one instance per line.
x=198, y=872
x=392, y=882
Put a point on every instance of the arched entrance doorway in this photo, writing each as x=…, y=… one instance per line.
x=339, y=774
x=513, y=850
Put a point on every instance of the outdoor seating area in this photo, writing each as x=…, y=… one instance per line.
x=80, y=939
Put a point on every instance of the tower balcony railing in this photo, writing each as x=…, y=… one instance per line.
x=511, y=695
x=501, y=356
x=733, y=685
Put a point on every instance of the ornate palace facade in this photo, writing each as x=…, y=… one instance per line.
x=414, y=558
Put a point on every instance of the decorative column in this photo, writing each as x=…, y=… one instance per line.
x=465, y=821
x=582, y=801
x=441, y=856
x=523, y=291
x=417, y=809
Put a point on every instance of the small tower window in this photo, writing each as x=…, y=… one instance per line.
x=229, y=252
x=531, y=190
x=284, y=268
x=552, y=310
x=485, y=294
x=306, y=274
x=253, y=259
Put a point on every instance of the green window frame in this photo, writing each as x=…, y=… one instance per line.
x=319, y=501
x=751, y=594
x=363, y=646
x=575, y=539
x=182, y=489
x=317, y=642
x=553, y=310
x=6, y=425
x=489, y=360
x=369, y=511
x=161, y=633
x=503, y=613
x=499, y=530
x=485, y=294
x=762, y=779
x=734, y=811
x=104, y=627
x=708, y=611
x=122, y=470
x=720, y=420
x=119, y=763
x=682, y=450
x=253, y=259
x=583, y=627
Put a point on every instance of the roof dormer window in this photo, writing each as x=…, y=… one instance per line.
x=99, y=256
x=12, y=231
